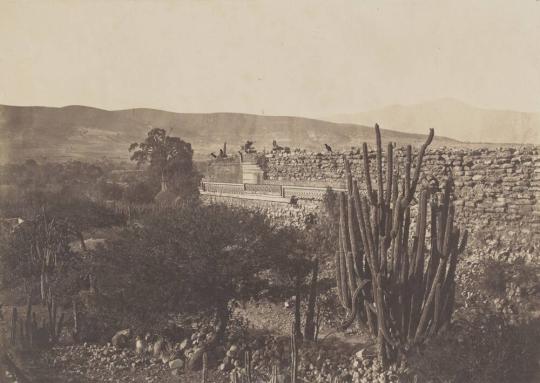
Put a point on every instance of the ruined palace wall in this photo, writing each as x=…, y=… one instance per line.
x=279, y=212
x=497, y=190
x=493, y=187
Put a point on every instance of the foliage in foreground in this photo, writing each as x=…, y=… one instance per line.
x=482, y=347
x=190, y=259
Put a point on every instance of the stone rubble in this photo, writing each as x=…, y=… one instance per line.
x=317, y=362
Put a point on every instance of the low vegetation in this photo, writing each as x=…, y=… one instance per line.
x=108, y=283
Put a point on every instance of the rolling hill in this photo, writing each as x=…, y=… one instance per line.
x=80, y=132
x=455, y=119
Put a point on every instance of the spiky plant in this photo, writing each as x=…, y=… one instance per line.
x=393, y=275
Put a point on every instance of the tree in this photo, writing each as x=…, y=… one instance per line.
x=318, y=236
x=194, y=258
x=169, y=159
x=38, y=254
x=140, y=193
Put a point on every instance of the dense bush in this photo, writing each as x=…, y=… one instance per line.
x=483, y=349
x=110, y=190
x=496, y=336
x=53, y=227
x=75, y=176
x=141, y=192
x=190, y=259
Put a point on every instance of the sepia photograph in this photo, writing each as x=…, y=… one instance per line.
x=269, y=191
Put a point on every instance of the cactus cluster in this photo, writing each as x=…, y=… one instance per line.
x=396, y=262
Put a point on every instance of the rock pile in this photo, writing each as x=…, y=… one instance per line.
x=317, y=363
x=103, y=363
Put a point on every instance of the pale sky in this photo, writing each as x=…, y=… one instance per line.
x=306, y=58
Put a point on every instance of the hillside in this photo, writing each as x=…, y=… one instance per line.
x=454, y=119
x=81, y=132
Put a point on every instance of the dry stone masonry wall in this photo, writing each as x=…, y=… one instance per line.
x=495, y=188
x=279, y=212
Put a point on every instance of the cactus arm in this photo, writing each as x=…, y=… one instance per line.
x=348, y=174
x=389, y=173
x=422, y=324
x=361, y=225
x=353, y=230
x=408, y=165
x=418, y=268
x=420, y=158
x=463, y=243
x=346, y=246
x=338, y=274
x=344, y=284
x=437, y=309
x=379, y=164
x=396, y=235
x=354, y=309
x=367, y=175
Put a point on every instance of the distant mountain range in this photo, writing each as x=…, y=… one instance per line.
x=80, y=132
x=455, y=119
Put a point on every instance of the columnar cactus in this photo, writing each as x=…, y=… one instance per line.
x=247, y=365
x=294, y=355
x=204, y=373
x=401, y=288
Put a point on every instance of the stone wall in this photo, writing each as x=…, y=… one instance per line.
x=487, y=180
x=281, y=212
x=497, y=190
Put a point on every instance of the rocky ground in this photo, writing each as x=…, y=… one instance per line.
x=336, y=355
x=262, y=326
x=95, y=363
x=92, y=363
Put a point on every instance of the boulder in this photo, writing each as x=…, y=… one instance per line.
x=140, y=346
x=166, y=357
x=195, y=362
x=175, y=333
x=176, y=364
x=158, y=347
x=233, y=350
x=366, y=353
x=183, y=345
x=121, y=338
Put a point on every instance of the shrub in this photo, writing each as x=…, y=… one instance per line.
x=140, y=193
x=110, y=191
x=190, y=259
x=483, y=349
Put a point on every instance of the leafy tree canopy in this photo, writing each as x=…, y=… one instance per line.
x=169, y=158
